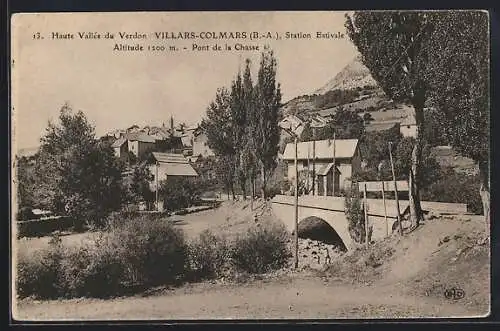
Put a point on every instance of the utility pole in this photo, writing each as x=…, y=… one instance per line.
x=385, y=210
x=334, y=166
x=366, y=215
x=383, y=199
x=314, y=162
x=296, y=217
x=395, y=190
x=156, y=179
x=296, y=261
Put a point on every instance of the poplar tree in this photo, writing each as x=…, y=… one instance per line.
x=394, y=47
x=267, y=102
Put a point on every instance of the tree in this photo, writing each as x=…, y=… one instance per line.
x=307, y=133
x=249, y=157
x=394, y=47
x=267, y=131
x=26, y=182
x=239, y=118
x=76, y=175
x=430, y=168
x=460, y=87
x=345, y=124
x=137, y=183
x=219, y=128
x=225, y=168
x=373, y=146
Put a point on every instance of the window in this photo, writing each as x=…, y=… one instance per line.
x=304, y=163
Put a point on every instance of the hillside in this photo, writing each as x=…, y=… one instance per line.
x=352, y=88
x=354, y=75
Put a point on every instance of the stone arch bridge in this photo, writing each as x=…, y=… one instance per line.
x=331, y=210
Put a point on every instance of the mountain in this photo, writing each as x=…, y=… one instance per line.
x=354, y=75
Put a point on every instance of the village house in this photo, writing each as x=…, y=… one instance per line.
x=164, y=166
x=408, y=126
x=120, y=146
x=200, y=145
x=347, y=163
x=293, y=123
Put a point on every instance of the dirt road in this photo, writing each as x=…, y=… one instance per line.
x=291, y=298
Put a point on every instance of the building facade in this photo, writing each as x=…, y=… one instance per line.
x=200, y=145
x=334, y=176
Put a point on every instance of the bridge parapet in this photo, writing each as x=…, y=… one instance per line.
x=332, y=210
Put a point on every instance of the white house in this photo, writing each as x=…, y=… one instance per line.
x=408, y=126
x=200, y=145
x=347, y=163
x=140, y=143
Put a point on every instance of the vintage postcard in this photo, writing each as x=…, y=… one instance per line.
x=250, y=165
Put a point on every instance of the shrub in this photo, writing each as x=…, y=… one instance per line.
x=262, y=248
x=94, y=270
x=208, y=256
x=455, y=187
x=39, y=275
x=178, y=193
x=24, y=214
x=152, y=250
x=133, y=253
x=355, y=216
x=43, y=227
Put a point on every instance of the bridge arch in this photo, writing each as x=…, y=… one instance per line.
x=316, y=228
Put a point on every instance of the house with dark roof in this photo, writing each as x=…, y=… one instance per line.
x=140, y=143
x=120, y=147
x=329, y=176
x=164, y=166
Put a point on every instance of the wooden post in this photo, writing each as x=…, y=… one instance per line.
x=366, y=215
x=296, y=261
x=156, y=177
x=334, y=166
x=395, y=191
x=385, y=210
x=308, y=170
x=314, y=163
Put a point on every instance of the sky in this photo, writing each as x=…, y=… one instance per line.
x=116, y=89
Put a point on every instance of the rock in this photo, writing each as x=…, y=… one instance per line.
x=317, y=229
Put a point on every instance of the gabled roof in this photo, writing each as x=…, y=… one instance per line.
x=140, y=136
x=409, y=120
x=174, y=164
x=169, y=157
x=344, y=148
x=117, y=143
x=380, y=126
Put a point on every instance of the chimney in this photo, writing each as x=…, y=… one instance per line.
x=172, y=123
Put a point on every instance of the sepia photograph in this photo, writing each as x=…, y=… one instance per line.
x=329, y=165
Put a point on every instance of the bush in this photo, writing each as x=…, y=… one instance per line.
x=43, y=227
x=355, y=216
x=93, y=271
x=39, y=275
x=455, y=187
x=152, y=251
x=208, y=256
x=178, y=193
x=24, y=214
x=262, y=248
x=133, y=253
